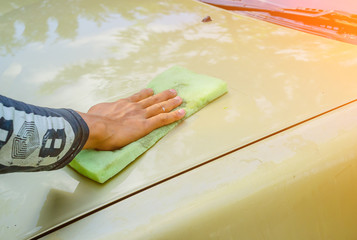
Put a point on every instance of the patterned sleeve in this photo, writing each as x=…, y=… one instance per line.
x=35, y=138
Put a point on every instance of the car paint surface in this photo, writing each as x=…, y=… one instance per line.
x=78, y=53
x=289, y=186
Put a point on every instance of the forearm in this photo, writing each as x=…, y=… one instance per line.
x=37, y=139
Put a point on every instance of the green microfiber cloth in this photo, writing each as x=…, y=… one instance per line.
x=196, y=90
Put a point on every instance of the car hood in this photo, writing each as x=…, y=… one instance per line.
x=78, y=53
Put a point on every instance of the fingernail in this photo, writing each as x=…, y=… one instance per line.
x=178, y=98
x=182, y=112
x=173, y=91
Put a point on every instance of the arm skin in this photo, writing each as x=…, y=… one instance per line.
x=116, y=124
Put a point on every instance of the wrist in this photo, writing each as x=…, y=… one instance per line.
x=96, y=129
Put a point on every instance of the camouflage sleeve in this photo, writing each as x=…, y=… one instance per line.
x=35, y=138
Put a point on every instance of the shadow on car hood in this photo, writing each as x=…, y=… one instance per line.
x=77, y=53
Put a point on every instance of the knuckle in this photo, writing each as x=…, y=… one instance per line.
x=133, y=109
x=156, y=98
x=164, y=118
x=175, y=116
x=148, y=91
x=119, y=104
x=174, y=103
x=147, y=126
x=168, y=94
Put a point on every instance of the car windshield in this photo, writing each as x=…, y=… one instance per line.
x=331, y=19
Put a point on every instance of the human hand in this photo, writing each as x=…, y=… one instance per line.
x=116, y=124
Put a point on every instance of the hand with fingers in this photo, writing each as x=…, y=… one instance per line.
x=116, y=124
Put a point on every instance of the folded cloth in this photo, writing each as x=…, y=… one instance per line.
x=196, y=90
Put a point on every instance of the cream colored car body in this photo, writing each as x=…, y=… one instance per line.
x=274, y=158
